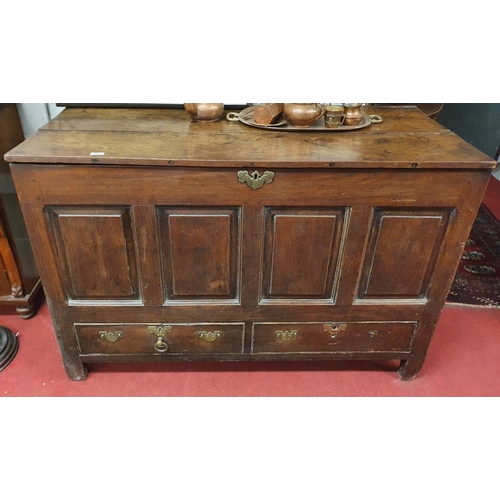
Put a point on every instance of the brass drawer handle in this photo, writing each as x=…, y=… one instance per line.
x=255, y=180
x=333, y=329
x=286, y=335
x=209, y=336
x=375, y=118
x=160, y=332
x=111, y=336
x=161, y=346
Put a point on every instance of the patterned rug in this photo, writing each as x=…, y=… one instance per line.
x=477, y=280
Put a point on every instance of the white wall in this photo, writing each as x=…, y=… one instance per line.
x=36, y=115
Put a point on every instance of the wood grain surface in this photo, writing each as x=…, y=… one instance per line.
x=363, y=228
x=406, y=138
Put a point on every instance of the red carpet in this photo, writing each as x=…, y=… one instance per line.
x=463, y=360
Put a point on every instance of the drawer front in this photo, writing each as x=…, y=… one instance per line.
x=332, y=337
x=157, y=338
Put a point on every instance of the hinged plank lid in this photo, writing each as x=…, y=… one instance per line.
x=406, y=138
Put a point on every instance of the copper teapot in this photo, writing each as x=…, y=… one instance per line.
x=303, y=115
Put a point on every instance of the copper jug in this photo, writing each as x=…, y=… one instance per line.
x=204, y=112
x=352, y=114
x=303, y=115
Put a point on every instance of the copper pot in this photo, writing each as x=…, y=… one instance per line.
x=303, y=115
x=352, y=114
x=204, y=112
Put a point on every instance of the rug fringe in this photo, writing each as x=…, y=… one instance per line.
x=471, y=305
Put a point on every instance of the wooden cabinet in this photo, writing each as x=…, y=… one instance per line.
x=19, y=280
x=160, y=239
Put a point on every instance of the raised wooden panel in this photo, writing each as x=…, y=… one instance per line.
x=201, y=249
x=97, y=252
x=301, y=253
x=401, y=255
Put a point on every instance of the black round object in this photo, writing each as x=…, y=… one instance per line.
x=8, y=346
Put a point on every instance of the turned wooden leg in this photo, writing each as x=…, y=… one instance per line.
x=26, y=312
x=409, y=368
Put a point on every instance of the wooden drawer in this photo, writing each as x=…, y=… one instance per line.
x=332, y=337
x=157, y=338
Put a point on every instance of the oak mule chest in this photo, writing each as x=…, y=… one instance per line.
x=161, y=239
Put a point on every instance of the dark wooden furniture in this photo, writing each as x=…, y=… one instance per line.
x=19, y=280
x=161, y=239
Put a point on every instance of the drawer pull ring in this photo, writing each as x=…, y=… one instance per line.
x=286, y=335
x=334, y=329
x=161, y=346
x=111, y=336
x=160, y=332
x=255, y=180
x=209, y=336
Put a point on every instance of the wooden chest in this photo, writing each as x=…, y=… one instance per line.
x=160, y=239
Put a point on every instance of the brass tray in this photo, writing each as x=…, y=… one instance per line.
x=246, y=116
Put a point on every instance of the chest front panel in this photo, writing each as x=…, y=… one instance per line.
x=201, y=236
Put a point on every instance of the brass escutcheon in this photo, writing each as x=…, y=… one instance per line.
x=160, y=332
x=333, y=329
x=286, y=335
x=111, y=336
x=255, y=180
x=209, y=336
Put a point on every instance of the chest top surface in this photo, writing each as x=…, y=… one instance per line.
x=406, y=138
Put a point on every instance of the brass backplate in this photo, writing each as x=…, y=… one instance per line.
x=160, y=331
x=286, y=335
x=209, y=336
x=110, y=336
